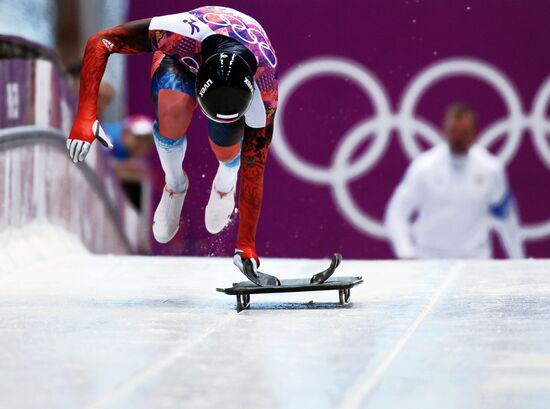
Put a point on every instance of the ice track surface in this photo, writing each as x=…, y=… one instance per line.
x=136, y=332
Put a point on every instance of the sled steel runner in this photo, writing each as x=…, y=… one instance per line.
x=319, y=282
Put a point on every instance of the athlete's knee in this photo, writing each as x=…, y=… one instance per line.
x=166, y=143
x=225, y=154
x=175, y=110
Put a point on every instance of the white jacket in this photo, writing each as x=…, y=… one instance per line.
x=457, y=201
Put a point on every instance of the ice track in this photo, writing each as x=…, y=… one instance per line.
x=136, y=332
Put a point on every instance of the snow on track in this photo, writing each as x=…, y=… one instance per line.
x=85, y=331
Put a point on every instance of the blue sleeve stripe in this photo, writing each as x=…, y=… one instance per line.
x=501, y=209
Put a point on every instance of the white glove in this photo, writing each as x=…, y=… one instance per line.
x=249, y=267
x=239, y=261
x=78, y=149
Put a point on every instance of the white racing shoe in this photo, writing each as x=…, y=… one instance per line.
x=219, y=209
x=166, y=220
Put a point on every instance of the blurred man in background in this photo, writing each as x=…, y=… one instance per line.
x=458, y=191
x=131, y=148
x=134, y=139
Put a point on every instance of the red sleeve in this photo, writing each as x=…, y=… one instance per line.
x=253, y=157
x=128, y=38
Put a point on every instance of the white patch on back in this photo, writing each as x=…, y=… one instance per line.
x=255, y=117
x=185, y=24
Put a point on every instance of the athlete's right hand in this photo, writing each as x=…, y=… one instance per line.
x=246, y=260
x=82, y=137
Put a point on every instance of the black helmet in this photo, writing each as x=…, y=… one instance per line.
x=224, y=87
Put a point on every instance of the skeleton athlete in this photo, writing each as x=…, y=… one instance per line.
x=222, y=59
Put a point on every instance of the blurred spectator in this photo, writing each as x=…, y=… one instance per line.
x=458, y=192
x=136, y=138
x=132, y=145
x=104, y=98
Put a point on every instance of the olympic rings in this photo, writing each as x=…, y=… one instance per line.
x=341, y=171
x=250, y=35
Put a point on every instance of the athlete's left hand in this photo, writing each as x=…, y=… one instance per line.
x=245, y=256
x=247, y=261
